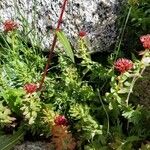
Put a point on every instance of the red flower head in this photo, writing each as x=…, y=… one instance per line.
x=145, y=40
x=61, y=120
x=10, y=25
x=123, y=65
x=82, y=34
x=30, y=88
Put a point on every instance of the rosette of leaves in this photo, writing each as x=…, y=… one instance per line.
x=17, y=72
x=44, y=122
x=5, y=115
x=13, y=98
x=31, y=107
x=49, y=88
x=70, y=88
x=20, y=66
x=96, y=69
x=85, y=124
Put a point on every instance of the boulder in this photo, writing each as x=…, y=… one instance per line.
x=96, y=17
x=141, y=91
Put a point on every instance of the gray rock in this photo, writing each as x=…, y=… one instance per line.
x=96, y=17
x=34, y=146
x=141, y=91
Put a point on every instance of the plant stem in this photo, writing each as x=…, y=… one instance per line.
x=122, y=34
x=100, y=99
x=53, y=45
x=132, y=85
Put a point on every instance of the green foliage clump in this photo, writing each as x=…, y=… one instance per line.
x=82, y=104
x=5, y=117
x=138, y=23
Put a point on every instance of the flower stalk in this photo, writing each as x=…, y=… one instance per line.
x=53, y=44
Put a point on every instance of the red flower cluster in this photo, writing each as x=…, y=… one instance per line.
x=123, y=65
x=61, y=120
x=10, y=25
x=30, y=88
x=145, y=40
x=82, y=34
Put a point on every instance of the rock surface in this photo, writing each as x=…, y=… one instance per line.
x=34, y=146
x=141, y=91
x=96, y=17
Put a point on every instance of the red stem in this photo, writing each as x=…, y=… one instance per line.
x=53, y=45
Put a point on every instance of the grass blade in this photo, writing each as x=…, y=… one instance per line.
x=64, y=41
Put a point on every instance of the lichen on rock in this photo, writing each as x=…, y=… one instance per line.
x=34, y=146
x=96, y=17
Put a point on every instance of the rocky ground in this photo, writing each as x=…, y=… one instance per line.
x=34, y=146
